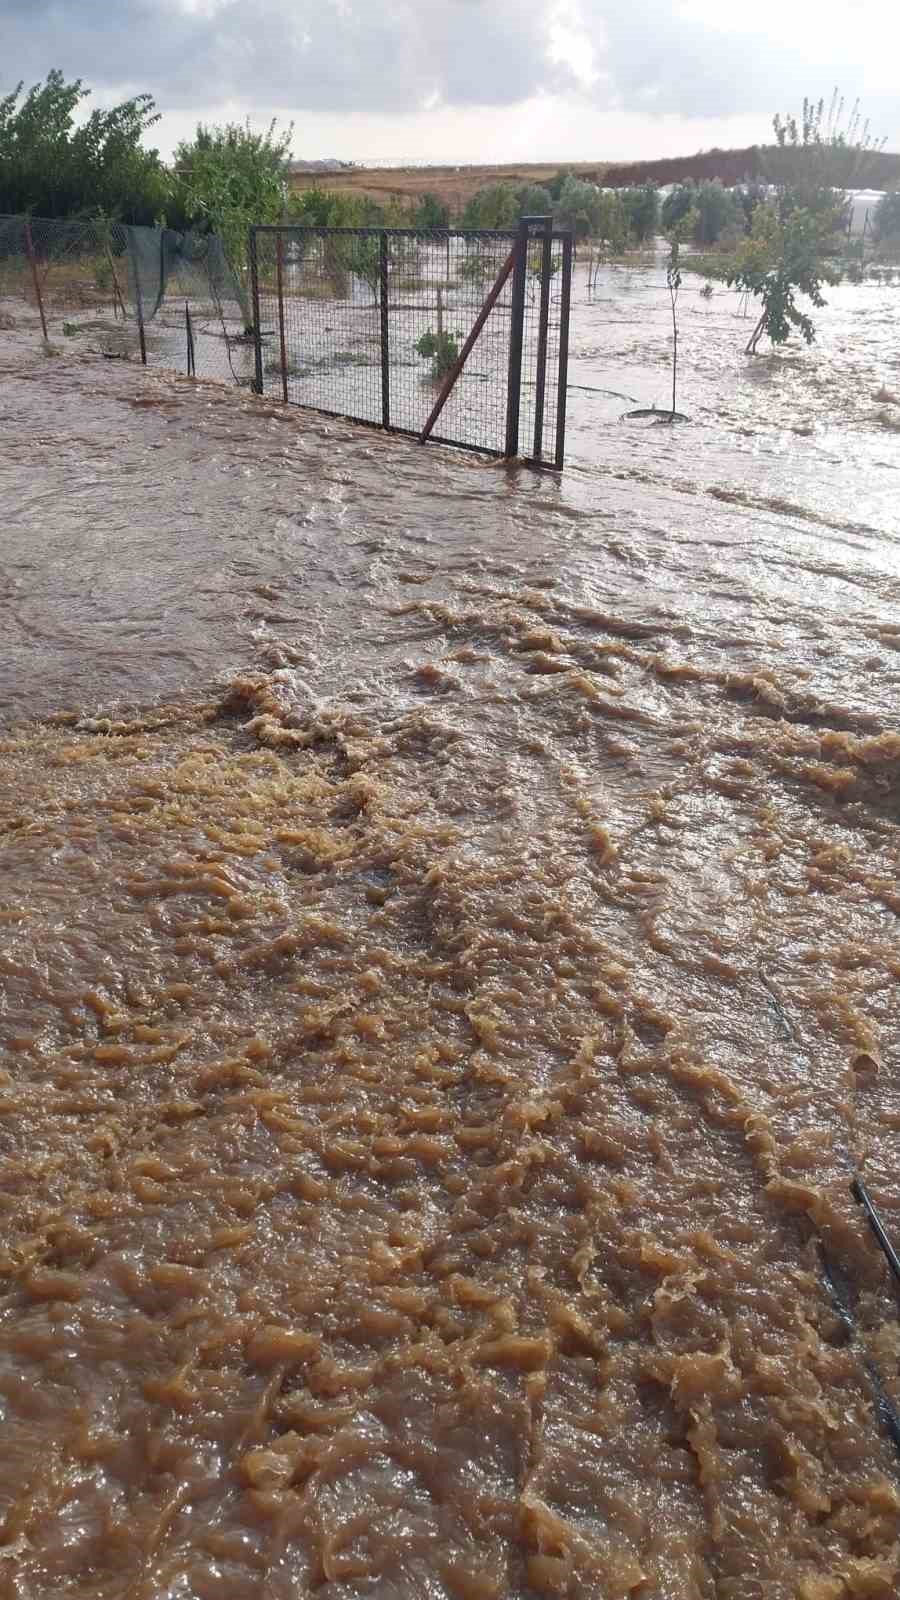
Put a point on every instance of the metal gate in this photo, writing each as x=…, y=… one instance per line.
x=457, y=337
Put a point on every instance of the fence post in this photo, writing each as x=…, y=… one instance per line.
x=563, y=379
x=543, y=330
x=191, y=354
x=385, y=333
x=29, y=250
x=516, y=337
x=138, y=296
x=279, y=274
x=254, y=296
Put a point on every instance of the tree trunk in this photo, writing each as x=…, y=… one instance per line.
x=755, y=336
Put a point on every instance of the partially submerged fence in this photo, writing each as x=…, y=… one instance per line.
x=168, y=298
x=458, y=337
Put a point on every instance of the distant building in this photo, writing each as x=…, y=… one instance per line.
x=328, y=165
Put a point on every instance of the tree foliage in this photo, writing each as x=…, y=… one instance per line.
x=54, y=166
x=535, y=200
x=642, y=209
x=494, y=206
x=430, y=213
x=887, y=218
x=578, y=207
x=229, y=177
x=783, y=257
x=443, y=350
x=612, y=227
x=334, y=208
x=715, y=211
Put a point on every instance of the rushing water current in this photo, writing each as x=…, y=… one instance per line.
x=448, y=979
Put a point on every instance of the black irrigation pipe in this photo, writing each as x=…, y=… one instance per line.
x=861, y=1194
x=841, y=1300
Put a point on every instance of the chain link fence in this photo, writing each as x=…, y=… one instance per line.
x=460, y=337
x=170, y=299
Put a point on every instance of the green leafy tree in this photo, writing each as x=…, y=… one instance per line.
x=611, y=226
x=494, y=206
x=535, y=201
x=578, y=207
x=748, y=196
x=329, y=208
x=364, y=259
x=431, y=214
x=642, y=209
x=886, y=220
x=555, y=185
x=718, y=213
x=715, y=209
x=53, y=165
x=676, y=205
x=230, y=177
x=792, y=239
x=783, y=257
x=397, y=212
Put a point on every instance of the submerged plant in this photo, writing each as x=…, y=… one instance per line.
x=679, y=232
x=443, y=349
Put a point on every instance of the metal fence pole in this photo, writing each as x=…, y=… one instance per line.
x=191, y=353
x=138, y=296
x=279, y=273
x=516, y=338
x=254, y=295
x=543, y=330
x=29, y=250
x=563, y=381
x=385, y=333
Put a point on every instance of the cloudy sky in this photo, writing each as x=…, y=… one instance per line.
x=470, y=80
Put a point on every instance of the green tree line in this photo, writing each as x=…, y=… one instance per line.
x=58, y=160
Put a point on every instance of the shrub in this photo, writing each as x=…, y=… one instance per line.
x=442, y=348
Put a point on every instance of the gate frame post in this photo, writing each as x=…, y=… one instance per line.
x=385, y=333
x=516, y=339
x=563, y=376
x=540, y=379
x=279, y=271
x=254, y=297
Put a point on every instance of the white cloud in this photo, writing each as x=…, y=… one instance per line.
x=470, y=79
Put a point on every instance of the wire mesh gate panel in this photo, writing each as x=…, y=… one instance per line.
x=369, y=323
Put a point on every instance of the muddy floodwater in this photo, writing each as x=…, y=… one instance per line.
x=449, y=976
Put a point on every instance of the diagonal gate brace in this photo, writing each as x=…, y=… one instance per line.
x=452, y=376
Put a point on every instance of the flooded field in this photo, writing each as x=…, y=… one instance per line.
x=448, y=978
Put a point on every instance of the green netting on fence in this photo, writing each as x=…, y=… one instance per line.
x=189, y=266
x=77, y=260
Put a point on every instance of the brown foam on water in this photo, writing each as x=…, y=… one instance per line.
x=418, y=1124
